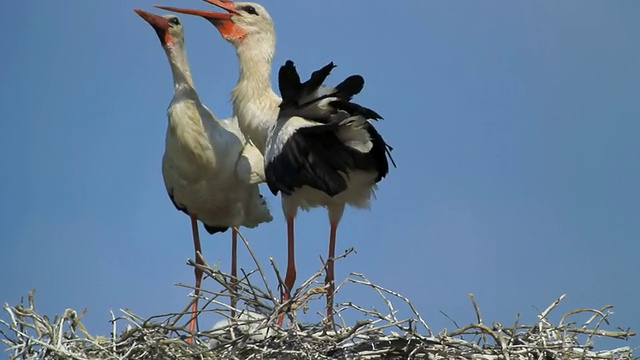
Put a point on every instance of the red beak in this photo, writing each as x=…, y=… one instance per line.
x=223, y=4
x=209, y=15
x=222, y=21
x=159, y=23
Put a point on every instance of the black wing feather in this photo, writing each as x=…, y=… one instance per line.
x=315, y=156
x=289, y=84
x=379, y=152
x=312, y=156
x=316, y=80
x=350, y=87
x=355, y=109
x=215, y=229
x=292, y=91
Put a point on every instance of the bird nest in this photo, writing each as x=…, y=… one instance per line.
x=252, y=332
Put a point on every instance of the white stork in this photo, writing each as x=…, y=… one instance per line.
x=250, y=29
x=323, y=151
x=211, y=172
x=300, y=162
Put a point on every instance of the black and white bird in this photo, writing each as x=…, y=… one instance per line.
x=210, y=170
x=323, y=151
x=250, y=29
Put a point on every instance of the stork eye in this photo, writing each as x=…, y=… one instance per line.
x=174, y=20
x=250, y=10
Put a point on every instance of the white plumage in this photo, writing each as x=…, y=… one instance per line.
x=209, y=169
x=308, y=173
x=211, y=172
x=249, y=325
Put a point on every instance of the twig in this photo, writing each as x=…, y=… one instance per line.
x=376, y=333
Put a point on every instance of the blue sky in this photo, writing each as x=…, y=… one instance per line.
x=515, y=127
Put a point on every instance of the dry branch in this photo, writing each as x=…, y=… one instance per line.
x=252, y=334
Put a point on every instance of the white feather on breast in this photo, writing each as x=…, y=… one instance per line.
x=361, y=188
x=255, y=117
x=200, y=170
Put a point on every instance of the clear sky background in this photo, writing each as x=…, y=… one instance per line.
x=515, y=127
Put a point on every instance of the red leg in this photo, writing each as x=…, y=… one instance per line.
x=234, y=268
x=330, y=278
x=290, y=277
x=198, y=273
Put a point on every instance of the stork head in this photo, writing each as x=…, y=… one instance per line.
x=168, y=27
x=242, y=19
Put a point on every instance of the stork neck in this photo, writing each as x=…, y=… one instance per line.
x=255, y=55
x=179, y=65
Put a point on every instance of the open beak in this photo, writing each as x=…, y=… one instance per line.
x=159, y=23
